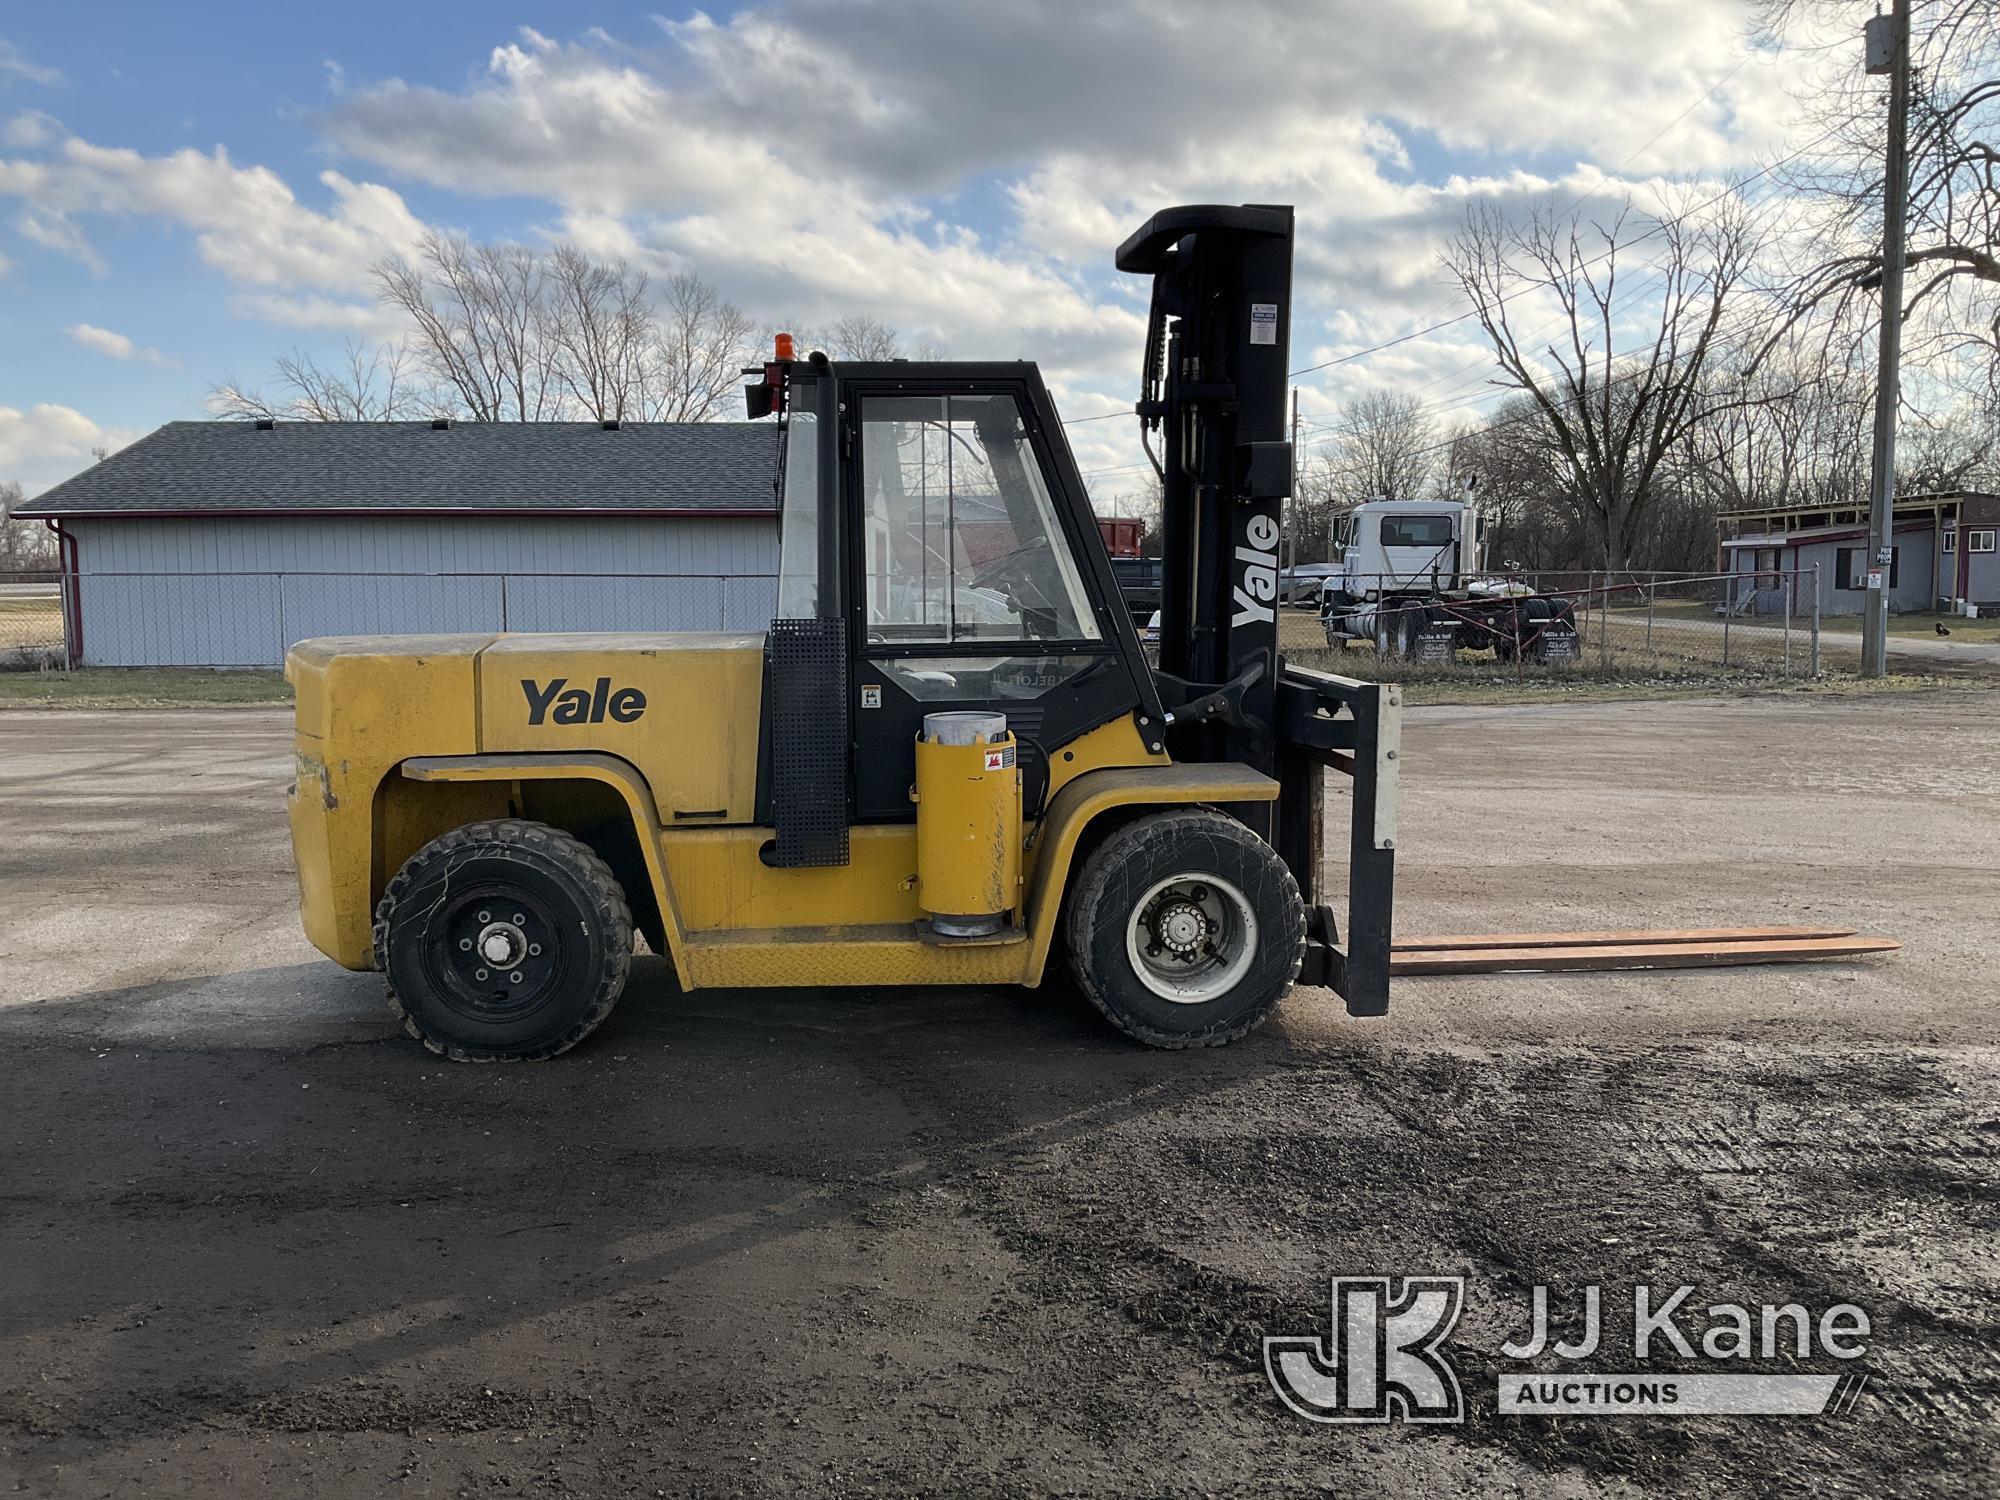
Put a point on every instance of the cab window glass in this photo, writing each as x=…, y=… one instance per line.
x=960, y=540
x=1416, y=531
x=798, y=517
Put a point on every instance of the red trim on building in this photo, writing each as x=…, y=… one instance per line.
x=72, y=600
x=298, y=512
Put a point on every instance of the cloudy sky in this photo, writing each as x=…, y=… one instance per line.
x=186, y=191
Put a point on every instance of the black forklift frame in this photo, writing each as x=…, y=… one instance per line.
x=1214, y=393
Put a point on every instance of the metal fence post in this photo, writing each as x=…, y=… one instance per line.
x=1789, y=587
x=1652, y=593
x=1815, y=622
x=1604, y=625
x=1728, y=606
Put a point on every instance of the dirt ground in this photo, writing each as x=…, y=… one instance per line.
x=959, y=1243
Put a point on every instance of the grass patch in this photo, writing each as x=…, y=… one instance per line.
x=141, y=687
x=1598, y=690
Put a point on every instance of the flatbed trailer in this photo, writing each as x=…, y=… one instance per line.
x=1515, y=623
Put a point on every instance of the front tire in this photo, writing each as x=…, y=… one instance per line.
x=1185, y=929
x=503, y=941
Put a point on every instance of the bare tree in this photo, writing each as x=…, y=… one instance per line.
x=602, y=328
x=23, y=544
x=1384, y=447
x=857, y=337
x=1531, y=510
x=699, y=347
x=861, y=338
x=1614, y=411
x=1952, y=293
x=1957, y=449
x=483, y=315
x=364, y=385
x=520, y=337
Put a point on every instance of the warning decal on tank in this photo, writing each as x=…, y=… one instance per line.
x=1001, y=759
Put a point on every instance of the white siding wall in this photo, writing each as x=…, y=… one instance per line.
x=239, y=592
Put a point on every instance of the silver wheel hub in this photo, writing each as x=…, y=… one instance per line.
x=502, y=944
x=1191, y=938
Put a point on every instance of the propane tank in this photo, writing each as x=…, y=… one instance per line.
x=968, y=824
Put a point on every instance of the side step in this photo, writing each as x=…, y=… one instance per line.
x=1685, y=948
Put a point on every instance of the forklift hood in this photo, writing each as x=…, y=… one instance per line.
x=682, y=708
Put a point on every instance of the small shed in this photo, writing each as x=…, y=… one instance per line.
x=222, y=543
x=1944, y=550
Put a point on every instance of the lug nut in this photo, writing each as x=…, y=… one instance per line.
x=534, y=950
x=515, y=977
x=465, y=945
x=486, y=916
x=519, y=919
x=479, y=974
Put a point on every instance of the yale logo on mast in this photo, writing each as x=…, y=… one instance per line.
x=582, y=705
x=1257, y=585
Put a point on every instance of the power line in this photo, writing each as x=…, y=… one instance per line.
x=1658, y=228
x=1574, y=203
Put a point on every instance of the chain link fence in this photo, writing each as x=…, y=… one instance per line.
x=1624, y=626
x=1606, y=626
x=32, y=632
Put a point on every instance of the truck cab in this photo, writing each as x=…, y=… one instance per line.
x=1390, y=547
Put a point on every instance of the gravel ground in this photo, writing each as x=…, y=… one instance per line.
x=971, y=1242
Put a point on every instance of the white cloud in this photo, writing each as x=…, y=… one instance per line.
x=247, y=221
x=32, y=127
x=318, y=312
x=116, y=345
x=964, y=172
x=14, y=64
x=47, y=443
x=816, y=159
x=103, y=340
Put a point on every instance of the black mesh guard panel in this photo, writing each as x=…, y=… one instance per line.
x=809, y=742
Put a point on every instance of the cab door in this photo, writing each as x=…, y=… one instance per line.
x=970, y=585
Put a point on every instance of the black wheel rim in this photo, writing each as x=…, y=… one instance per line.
x=493, y=952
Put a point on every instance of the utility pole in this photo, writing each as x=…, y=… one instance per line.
x=1287, y=530
x=1888, y=50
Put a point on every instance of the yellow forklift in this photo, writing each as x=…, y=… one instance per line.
x=948, y=760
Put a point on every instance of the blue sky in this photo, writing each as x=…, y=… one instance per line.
x=186, y=192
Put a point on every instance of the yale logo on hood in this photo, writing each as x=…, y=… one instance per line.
x=582, y=705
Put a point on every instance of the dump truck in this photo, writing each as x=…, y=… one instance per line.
x=1412, y=580
x=947, y=759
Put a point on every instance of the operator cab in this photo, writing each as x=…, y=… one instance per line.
x=933, y=523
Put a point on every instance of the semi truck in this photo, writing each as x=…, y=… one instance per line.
x=1412, y=580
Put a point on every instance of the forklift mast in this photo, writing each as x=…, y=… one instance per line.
x=1212, y=413
x=1212, y=410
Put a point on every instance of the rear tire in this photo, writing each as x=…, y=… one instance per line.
x=503, y=941
x=1185, y=929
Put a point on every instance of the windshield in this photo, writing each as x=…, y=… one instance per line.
x=1416, y=531
x=959, y=532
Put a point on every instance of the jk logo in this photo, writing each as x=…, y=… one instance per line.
x=1382, y=1361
